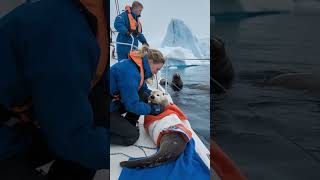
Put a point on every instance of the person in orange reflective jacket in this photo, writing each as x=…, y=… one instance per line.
x=127, y=24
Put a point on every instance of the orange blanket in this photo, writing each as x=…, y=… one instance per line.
x=170, y=109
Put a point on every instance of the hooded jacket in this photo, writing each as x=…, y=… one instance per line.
x=124, y=80
x=49, y=51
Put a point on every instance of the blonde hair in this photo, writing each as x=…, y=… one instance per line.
x=154, y=55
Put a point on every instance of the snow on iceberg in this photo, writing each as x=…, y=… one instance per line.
x=178, y=36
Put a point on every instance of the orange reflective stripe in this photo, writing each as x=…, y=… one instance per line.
x=133, y=23
x=137, y=59
x=97, y=9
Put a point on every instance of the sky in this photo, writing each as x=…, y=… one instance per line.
x=157, y=14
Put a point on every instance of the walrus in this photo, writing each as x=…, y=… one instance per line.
x=222, y=70
x=301, y=81
x=171, y=144
x=176, y=83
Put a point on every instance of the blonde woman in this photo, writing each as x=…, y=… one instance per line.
x=127, y=87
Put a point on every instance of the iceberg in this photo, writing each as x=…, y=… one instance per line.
x=179, y=35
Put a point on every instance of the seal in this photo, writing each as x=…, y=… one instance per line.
x=171, y=144
x=309, y=82
x=176, y=83
x=222, y=70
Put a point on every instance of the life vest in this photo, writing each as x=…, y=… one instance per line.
x=97, y=9
x=134, y=25
x=23, y=113
x=133, y=55
x=136, y=58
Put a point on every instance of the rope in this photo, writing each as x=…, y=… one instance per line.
x=176, y=86
x=218, y=84
x=157, y=82
x=132, y=39
x=142, y=149
x=166, y=76
x=112, y=44
x=127, y=44
x=138, y=146
x=146, y=147
x=112, y=154
x=117, y=7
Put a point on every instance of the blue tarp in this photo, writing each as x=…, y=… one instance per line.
x=188, y=166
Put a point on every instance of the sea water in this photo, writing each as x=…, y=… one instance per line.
x=194, y=98
x=270, y=132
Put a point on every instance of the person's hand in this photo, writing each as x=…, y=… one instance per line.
x=128, y=33
x=156, y=109
x=145, y=43
x=135, y=32
x=144, y=96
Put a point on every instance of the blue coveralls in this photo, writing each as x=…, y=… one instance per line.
x=122, y=25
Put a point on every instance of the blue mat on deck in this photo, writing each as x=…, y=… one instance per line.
x=188, y=166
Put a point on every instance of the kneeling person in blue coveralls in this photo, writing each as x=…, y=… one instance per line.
x=128, y=92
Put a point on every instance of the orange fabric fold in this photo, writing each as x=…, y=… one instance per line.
x=225, y=168
x=170, y=109
x=96, y=7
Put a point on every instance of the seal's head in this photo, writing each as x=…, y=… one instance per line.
x=159, y=97
x=177, y=82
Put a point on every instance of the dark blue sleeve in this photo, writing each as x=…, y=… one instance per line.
x=59, y=78
x=120, y=23
x=8, y=70
x=144, y=89
x=128, y=86
x=56, y=65
x=141, y=38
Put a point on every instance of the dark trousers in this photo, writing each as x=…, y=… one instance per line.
x=22, y=167
x=123, y=130
x=66, y=170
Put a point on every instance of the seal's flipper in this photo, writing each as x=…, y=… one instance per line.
x=171, y=146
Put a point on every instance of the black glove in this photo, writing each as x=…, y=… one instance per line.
x=144, y=96
x=128, y=33
x=156, y=109
x=135, y=32
x=145, y=43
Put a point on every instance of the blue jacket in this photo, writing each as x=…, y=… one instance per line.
x=122, y=25
x=49, y=52
x=124, y=80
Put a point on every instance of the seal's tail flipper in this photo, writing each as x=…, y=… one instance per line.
x=171, y=146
